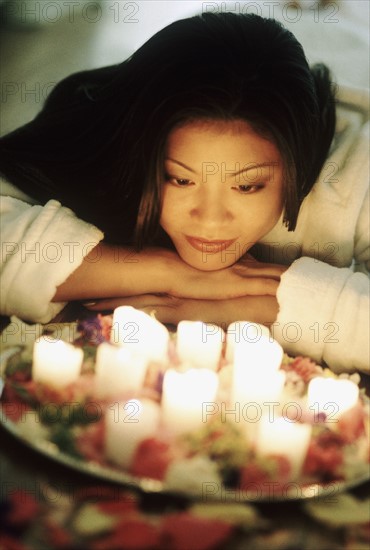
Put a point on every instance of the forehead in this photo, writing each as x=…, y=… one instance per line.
x=223, y=138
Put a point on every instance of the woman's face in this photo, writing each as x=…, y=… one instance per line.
x=222, y=191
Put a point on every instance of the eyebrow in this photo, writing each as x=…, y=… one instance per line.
x=253, y=166
x=181, y=164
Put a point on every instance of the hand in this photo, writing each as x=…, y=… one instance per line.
x=172, y=310
x=162, y=271
x=246, y=277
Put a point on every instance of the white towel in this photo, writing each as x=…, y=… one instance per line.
x=40, y=247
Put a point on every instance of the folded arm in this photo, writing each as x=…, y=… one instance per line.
x=171, y=310
x=324, y=312
x=50, y=257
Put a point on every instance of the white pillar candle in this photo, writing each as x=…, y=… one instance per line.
x=183, y=396
x=253, y=394
x=257, y=384
x=243, y=331
x=331, y=396
x=118, y=370
x=55, y=362
x=279, y=436
x=256, y=377
x=126, y=425
x=140, y=332
x=256, y=387
x=199, y=344
x=263, y=355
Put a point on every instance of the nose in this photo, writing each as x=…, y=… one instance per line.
x=210, y=209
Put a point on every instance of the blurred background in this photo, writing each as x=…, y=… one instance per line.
x=43, y=41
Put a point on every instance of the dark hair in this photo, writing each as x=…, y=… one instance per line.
x=98, y=144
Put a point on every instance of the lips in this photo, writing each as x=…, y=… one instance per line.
x=207, y=246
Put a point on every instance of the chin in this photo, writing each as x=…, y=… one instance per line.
x=211, y=264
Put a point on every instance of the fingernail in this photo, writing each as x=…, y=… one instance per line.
x=89, y=304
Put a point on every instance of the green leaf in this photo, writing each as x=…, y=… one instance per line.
x=90, y=521
x=23, y=394
x=17, y=364
x=64, y=440
x=244, y=515
x=340, y=510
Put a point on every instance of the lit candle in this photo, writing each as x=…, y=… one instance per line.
x=183, y=396
x=199, y=344
x=257, y=384
x=256, y=377
x=256, y=387
x=126, y=425
x=118, y=370
x=140, y=332
x=243, y=331
x=253, y=394
x=263, y=355
x=331, y=396
x=279, y=436
x=55, y=362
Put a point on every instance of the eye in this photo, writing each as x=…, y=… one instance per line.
x=248, y=189
x=179, y=182
x=182, y=182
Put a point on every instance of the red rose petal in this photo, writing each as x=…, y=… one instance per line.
x=10, y=543
x=117, y=507
x=184, y=531
x=351, y=424
x=98, y=492
x=151, y=459
x=90, y=443
x=14, y=410
x=305, y=367
x=252, y=474
x=24, y=508
x=324, y=455
x=57, y=536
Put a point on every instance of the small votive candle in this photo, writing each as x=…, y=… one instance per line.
x=199, y=344
x=140, y=333
x=279, y=436
x=126, y=425
x=118, y=370
x=243, y=331
x=331, y=396
x=183, y=397
x=55, y=362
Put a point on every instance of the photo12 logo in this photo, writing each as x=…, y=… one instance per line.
x=290, y=12
x=35, y=13
x=35, y=92
x=267, y=491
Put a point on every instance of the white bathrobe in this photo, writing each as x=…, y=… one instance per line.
x=323, y=296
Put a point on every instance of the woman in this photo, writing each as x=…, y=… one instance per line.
x=202, y=161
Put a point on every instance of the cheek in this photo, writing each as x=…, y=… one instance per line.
x=257, y=221
x=169, y=213
x=273, y=213
x=274, y=206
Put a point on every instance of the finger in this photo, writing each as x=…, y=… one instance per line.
x=255, y=269
x=254, y=286
x=218, y=289
x=164, y=313
x=103, y=305
x=144, y=301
